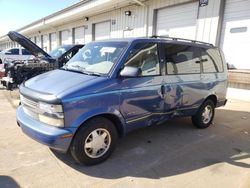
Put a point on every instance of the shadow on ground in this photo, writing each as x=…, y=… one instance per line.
x=8, y=182
x=176, y=147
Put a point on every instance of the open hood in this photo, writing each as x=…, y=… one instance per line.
x=27, y=44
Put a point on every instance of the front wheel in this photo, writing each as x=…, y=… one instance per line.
x=94, y=142
x=205, y=115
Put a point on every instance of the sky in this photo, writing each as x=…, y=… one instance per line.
x=15, y=14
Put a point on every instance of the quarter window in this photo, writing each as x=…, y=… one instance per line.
x=211, y=61
x=182, y=59
x=145, y=57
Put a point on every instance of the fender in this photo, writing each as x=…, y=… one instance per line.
x=99, y=111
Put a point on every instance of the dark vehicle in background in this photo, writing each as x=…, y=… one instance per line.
x=18, y=71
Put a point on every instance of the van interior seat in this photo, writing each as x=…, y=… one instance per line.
x=179, y=58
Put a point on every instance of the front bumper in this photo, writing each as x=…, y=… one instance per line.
x=56, y=138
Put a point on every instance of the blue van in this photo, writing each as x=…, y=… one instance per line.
x=112, y=87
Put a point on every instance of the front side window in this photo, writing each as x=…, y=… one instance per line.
x=145, y=57
x=96, y=57
x=182, y=59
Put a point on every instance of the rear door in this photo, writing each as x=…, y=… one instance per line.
x=213, y=74
x=141, y=97
x=184, y=90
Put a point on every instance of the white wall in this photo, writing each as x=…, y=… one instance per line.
x=140, y=23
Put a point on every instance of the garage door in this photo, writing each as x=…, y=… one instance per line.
x=79, y=35
x=65, y=38
x=235, y=38
x=38, y=41
x=45, y=43
x=178, y=21
x=102, y=30
x=32, y=39
x=53, y=41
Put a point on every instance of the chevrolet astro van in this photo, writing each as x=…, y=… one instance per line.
x=114, y=86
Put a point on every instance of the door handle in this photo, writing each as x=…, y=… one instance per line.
x=162, y=90
x=204, y=60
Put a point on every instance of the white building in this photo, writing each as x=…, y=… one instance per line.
x=225, y=23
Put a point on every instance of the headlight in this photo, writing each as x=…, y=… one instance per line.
x=51, y=114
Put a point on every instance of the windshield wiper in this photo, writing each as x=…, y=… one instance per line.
x=66, y=67
x=92, y=73
x=82, y=70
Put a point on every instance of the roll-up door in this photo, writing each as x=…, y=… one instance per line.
x=235, y=38
x=79, y=35
x=177, y=21
x=53, y=41
x=65, y=38
x=38, y=41
x=45, y=43
x=32, y=39
x=102, y=30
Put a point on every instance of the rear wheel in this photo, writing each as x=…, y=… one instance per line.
x=94, y=142
x=205, y=115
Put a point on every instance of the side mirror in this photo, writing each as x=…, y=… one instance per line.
x=128, y=71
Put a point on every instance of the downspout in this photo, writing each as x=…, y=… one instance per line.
x=147, y=19
x=220, y=22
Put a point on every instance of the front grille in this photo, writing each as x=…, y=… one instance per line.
x=30, y=107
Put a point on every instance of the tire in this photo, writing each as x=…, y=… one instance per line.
x=205, y=115
x=105, y=134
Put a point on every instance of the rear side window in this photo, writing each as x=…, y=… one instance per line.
x=211, y=61
x=182, y=59
x=145, y=57
x=25, y=52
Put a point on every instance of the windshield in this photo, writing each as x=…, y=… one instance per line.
x=56, y=53
x=96, y=57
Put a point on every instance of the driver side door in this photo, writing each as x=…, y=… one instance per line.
x=142, y=101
